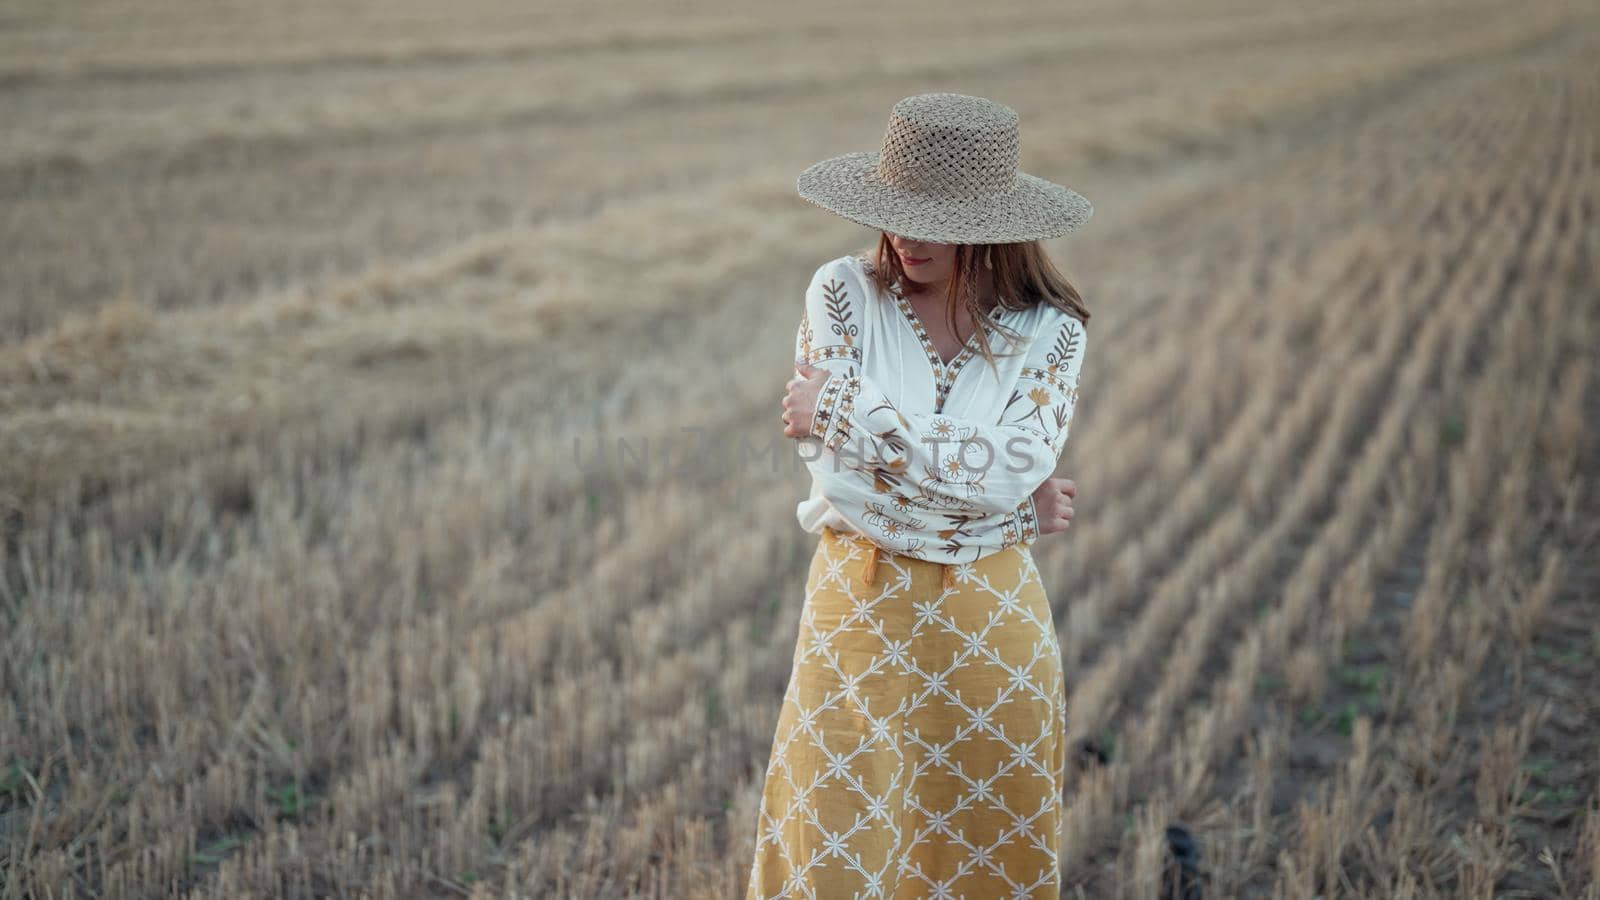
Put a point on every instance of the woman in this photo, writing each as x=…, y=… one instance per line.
x=920, y=748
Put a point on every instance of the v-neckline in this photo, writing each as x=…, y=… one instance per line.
x=944, y=373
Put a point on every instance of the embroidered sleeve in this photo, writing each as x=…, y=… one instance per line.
x=978, y=466
x=898, y=513
x=904, y=521
x=830, y=334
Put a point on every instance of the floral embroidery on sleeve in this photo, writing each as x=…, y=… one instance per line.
x=897, y=511
x=988, y=467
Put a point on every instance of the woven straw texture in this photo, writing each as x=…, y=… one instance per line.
x=947, y=173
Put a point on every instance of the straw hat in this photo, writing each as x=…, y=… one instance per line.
x=948, y=174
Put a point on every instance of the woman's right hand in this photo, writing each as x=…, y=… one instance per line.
x=1052, y=503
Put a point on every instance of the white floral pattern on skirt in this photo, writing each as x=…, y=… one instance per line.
x=920, y=749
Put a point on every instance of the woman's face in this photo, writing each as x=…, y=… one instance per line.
x=925, y=263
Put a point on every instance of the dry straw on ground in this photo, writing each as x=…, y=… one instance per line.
x=308, y=329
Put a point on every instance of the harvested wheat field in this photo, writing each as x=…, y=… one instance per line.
x=385, y=517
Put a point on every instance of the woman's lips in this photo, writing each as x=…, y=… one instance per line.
x=913, y=261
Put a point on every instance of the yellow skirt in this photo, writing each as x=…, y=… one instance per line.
x=921, y=745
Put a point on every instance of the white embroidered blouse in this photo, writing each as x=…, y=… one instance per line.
x=931, y=460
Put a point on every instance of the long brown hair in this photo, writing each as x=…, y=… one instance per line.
x=1016, y=275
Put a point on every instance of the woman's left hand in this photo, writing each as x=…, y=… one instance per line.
x=800, y=399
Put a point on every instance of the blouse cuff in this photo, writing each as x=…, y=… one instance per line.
x=831, y=420
x=1027, y=520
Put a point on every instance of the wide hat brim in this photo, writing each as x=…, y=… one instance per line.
x=1032, y=209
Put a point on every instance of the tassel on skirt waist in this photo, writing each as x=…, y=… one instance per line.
x=874, y=554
